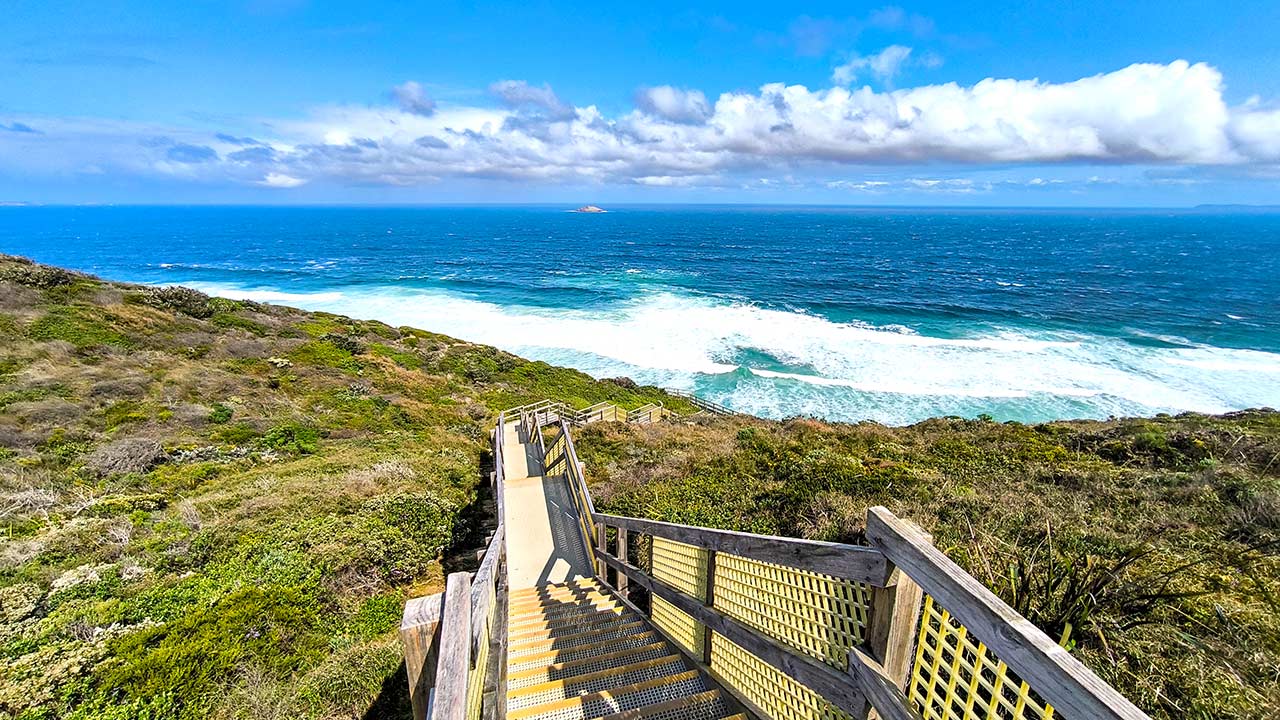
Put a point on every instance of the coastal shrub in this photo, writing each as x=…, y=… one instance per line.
x=343, y=341
x=292, y=438
x=273, y=627
x=40, y=277
x=232, y=320
x=425, y=519
x=220, y=414
x=325, y=354
x=126, y=455
x=239, y=433
x=409, y=360
x=121, y=413
x=74, y=326
x=179, y=299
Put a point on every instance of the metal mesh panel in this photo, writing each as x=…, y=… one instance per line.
x=955, y=676
x=678, y=624
x=774, y=692
x=819, y=615
x=683, y=567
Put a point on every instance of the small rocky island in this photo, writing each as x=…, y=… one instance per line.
x=591, y=209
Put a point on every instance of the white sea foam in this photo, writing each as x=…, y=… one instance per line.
x=852, y=370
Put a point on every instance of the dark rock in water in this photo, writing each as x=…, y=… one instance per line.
x=591, y=209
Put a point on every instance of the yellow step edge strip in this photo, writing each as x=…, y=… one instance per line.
x=575, y=636
x=668, y=706
x=588, y=620
x=582, y=700
x=551, y=654
x=587, y=677
x=594, y=659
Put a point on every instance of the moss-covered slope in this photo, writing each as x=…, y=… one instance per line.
x=218, y=507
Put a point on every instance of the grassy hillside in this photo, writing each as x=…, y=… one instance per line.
x=1157, y=540
x=218, y=508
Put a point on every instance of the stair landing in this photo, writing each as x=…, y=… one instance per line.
x=544, y=545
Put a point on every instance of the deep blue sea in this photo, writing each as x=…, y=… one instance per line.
x=847, y=314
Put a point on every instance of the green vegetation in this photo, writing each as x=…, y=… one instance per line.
x=218, y=508
x=1157, y=541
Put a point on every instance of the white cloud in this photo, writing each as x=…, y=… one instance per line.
x=413, y=98
x=276, y=180
x=884, y=65
x=674, y=104
x=1146, y=114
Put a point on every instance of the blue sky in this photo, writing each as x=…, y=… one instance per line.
x=288, y=101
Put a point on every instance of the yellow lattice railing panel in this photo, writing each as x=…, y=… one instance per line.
x=677, y=624
x=955, y=676
x=772, y=691
x=819, y=615
x=683, y=567
x=475, y=676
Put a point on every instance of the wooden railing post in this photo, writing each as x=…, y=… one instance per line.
x=892, y=628
x=602, y=536
x=420, y=637
x=621, y=585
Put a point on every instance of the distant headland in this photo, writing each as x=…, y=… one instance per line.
x=591, y=209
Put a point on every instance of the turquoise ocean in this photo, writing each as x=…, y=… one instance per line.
x=892, y=315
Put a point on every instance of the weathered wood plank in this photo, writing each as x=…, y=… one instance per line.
x=420, y=636
x=623, y=540
x=1056, y=676
x=495, y=675
x=602, y=539
x=835, y=686
x=850, y=562
x=483, y=586
x=455, y=644
x=880, y=689
x=891, y=630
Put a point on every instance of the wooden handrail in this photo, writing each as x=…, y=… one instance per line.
x=450, y=701
x=1062, y=680
x=852, y=562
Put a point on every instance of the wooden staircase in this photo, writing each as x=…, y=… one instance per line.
x=737, y=625
x=575, y=651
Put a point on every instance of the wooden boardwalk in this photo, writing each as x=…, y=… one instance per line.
x=543, y=544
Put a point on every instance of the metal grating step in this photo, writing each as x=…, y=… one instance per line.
x=565, y=642
x=558, y=601
x=543, y=659
x=606, y=702
x=591, y=682
x=567, y=615
x=607, y=659
x=575, y=583
x=595, y=616
x=564, y=609
x=548, y=591
x=710, y=705
x=582, y=625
